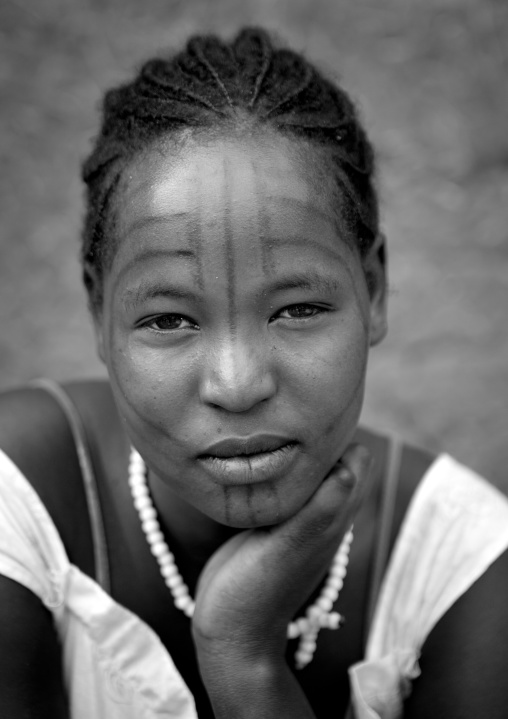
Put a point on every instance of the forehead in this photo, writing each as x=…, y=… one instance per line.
x=224, y=176
x=228, y=218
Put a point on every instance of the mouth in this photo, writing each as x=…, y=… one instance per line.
x=248, y=460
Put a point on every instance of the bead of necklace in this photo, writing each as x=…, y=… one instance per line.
x=319, y=615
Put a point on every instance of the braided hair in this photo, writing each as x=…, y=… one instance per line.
x=210, y=85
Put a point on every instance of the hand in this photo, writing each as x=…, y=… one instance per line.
x=256, y=582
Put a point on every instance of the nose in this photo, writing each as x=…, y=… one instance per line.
x=237, y=376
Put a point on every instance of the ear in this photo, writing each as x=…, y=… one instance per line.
x=93, y=285
x=374, y=265
x=99, y=333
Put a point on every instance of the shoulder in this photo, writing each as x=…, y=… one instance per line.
x=30, y=416
x=35, y=434
x=34, y=431
x=447, y=588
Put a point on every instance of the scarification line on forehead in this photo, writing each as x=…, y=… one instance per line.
x=195, y=228
x=268, y=245
x=262, y=189
x=229, y=251
x=263, y=221
x=296, y=204
x=307, y=242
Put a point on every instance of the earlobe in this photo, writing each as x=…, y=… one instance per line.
x=375, y=271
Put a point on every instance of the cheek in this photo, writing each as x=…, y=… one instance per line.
x=333, y=372
x=152, y=388
x=330, y=386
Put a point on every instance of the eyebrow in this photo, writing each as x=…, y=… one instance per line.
x=151, y=290
x=306, y=281
x=312, y=281
x=154, y=253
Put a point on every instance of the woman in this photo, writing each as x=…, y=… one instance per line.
x=176, y=542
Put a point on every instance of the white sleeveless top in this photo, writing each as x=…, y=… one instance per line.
x=117, y=668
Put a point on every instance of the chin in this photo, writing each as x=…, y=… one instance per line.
x=259, y=522
x=256, y=506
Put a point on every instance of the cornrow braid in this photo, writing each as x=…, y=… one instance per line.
x=205, y=86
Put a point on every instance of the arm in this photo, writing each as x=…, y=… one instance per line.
x=464, y=661
x=251, y=589
x=243, y=686
x=31, y=685
x=31, y=682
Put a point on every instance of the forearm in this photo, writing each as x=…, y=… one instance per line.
x=243, y=688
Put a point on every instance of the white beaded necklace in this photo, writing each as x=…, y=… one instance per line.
x=318, y=615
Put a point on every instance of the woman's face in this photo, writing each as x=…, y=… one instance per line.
x=235, y=326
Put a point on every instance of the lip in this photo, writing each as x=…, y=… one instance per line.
x=238, y=446
x=248, y=460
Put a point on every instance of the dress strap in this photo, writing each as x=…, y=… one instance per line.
x=389, y=494
x=77, y=428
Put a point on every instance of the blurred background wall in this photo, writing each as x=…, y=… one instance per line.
x=431, y=78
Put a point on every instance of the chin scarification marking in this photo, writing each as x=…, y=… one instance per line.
x=252, y=513
x=227, y=504
x=276, y=500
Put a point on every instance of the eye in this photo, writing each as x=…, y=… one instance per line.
x=170, y=322
x=300, y=312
